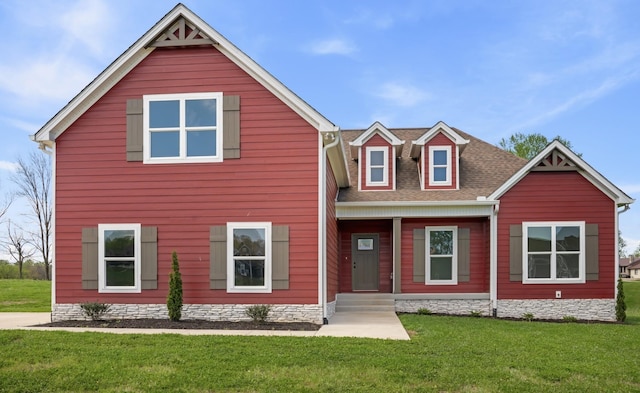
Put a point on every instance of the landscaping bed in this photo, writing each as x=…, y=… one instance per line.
x=185, y=324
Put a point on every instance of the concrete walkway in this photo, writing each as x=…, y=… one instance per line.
x=382, y=325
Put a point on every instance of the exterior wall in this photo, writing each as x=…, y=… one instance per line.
x=332, y=236
x=558, y=196
x=208, y=312
x=440, y=140
x=582, y=309
x=479, y=256
x=634, y=273
x=384, y=228
x=276, y=180
x=376, y=141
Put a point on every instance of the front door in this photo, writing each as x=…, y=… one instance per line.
x=364, y=260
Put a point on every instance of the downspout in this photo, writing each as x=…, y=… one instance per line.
x=626, y=207
x=493, y=259
x=334, y=139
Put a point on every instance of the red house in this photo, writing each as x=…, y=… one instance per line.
x=179, y=145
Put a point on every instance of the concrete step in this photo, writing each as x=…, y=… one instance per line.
x=360, y=302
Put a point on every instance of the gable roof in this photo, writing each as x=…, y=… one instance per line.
x=439, y=127
x=162, y=34
x=379, y=129
x=556, y=156
x=483, y=168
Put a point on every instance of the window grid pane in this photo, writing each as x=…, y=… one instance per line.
x=200, y=113
x=164, y=114
x=201, y=143
x=249, y=272
x=120, y=273
x=440, y=157
x=441, y=268
x=165, y=143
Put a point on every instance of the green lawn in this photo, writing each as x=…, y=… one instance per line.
x=446, y=354
x=25, y=295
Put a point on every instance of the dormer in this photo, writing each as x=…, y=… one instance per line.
x=376, y=151
x=437, y=152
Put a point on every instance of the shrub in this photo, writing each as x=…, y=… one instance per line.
x=174, y=299
x=621, y=306
x=527, y=316
x=569, y=318
x=424, y=311
x=258, y=312
x=476, y=313
x=95, y=310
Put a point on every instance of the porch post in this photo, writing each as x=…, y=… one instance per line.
x=397, y=253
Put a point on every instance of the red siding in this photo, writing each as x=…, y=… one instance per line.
x=377, y=141
x=275, y=180
x=384, y=228
x=557, y=196
x=332, y=236
x=440, y=140
x=479, y=256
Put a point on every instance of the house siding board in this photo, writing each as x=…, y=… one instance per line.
x=332, y=235
x=382, y=227
x=573, y=198
x=440, y=140
x=478, y=278
x=377, y=141
x=95, y=183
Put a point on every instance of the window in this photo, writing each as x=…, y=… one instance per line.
x=249, y=257
x=183, y=128
x=377, y=160
x=441, y=255
x=553, y=252
x=119, y=258
x=439, y=165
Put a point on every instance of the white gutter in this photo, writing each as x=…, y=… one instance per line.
x=493, y=259
x=617, y=219
x=322, y=219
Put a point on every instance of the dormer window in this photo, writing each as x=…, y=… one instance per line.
x=377, y=160
x=439, y=165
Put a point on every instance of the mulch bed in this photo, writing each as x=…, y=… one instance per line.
x=185, y=324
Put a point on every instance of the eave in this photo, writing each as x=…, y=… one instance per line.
x=414, y=209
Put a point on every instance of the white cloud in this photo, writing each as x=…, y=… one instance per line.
x=631, y=188
x=401, y=94
x=8, y=166
x=332, y=47
x=88, y=22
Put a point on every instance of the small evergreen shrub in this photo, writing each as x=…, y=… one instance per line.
x=258, y=312
x=476, y=314
x=174, y=299
x=95, y=310
x=569, y=319
x=424, y=311
x=527, y=316
x=621, y=305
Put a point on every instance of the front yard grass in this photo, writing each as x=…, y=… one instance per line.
x=25, y=295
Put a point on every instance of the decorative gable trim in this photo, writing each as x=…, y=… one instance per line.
x=555, y=162
x=439, y=127
x=379, y=129
x=564, y=156
x=182, y=33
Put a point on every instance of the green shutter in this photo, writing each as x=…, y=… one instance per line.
x=591, y=252
x=218, y=257
x=231, y=127
x=515, y=253
x=149, y=257
x=90, y=258
x=464, y=254
x=134, y=129
x=280, y=256
x=418, y=255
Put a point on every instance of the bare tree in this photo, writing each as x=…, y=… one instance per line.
x=17, y=246
x=33, y=181
x=5, y=204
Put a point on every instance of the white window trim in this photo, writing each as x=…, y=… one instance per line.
x=385, y=166
x=432, y=166
x=182, y=158
x=268, y=267
x=454, y=257
x=102, y=282
x=581, y=279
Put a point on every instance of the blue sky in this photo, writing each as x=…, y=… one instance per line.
x=490, y=68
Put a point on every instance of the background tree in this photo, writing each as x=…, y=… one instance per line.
x=33, y=181
x=5, y=204
x=17, y=246
x=528, y=146
x=622, y=244
x=636, y=252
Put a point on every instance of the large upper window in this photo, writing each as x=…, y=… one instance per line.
x=119, y=257
x=553, y=252
x=183, y=128
x=377, y=161
x=439, y=165
x=441, y=255
x=249, y=257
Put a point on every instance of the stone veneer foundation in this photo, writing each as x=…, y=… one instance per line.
x=211, y=312
x=582, y=309
x=445, y=306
